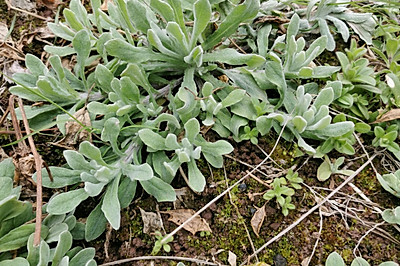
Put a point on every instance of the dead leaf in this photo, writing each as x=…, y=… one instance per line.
x=224, y=78
x=104, y=6
x=198, y=224
x=3, y=31
x=305, y=262
x=74, y=133
x=232, y=258
x=23, y=4
x=391, y=115
x=3, y=155
x=10, y=70
x=257, y=220
x=151, y=222
x=24, y=166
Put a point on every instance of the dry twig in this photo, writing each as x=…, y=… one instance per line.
x=38, y=166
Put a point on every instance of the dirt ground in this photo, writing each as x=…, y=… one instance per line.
x=343, y=225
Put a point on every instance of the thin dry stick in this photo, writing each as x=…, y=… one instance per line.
x=38, y=166
x=336, y=206
x=237, y=46
x=259, y=180
x=246, y=164
x=164, y=240
x=319, y=237
x=367, y=233
x=376, y=173
x=293, y=225
x=159, y=258
x=27, y=12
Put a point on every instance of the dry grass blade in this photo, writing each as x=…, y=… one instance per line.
x=38, y=166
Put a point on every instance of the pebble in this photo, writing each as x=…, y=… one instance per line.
x=242, y=187
x=279, y=260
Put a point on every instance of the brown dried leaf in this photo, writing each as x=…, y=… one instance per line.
x=104, y=6
x=74, y=133
x=258, y=219
x=198, y=224
x=24, y=166
x=391, y=115
x=10, y=70
x=151, y=222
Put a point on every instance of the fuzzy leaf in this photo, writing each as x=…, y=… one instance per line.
x=192, y=129
x=197, y=181
x=111, y=207
x=232, y=57
x=95, y=223
x=67, y=201
x=83, y=257
x=62, y=177
x=334, y=259
x=138, y=172
x=245, y=11
x=202, y=15
x=159, y=189
x=152, y=139
x=18, y=237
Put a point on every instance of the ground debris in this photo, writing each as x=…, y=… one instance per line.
x=151, y=222
x=389, y=116
x=232, y=258
x=178, y=217
x=257, y=220
x=74, y=133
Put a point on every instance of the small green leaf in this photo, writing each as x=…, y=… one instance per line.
x=18, y=237
x=35, y=65
x=324, y=171
x=139, y=15
x=234, y=97
x=192, y=129
x=81, y=43
x=337, y=129
x=92, y=152
x=197, y=181
x=55, y=231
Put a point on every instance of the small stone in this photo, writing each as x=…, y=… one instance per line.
x=274, y=226
x=252, y=210
x=242, y=187
x=279, y=260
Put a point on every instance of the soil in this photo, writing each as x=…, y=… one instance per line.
x=230, y=217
